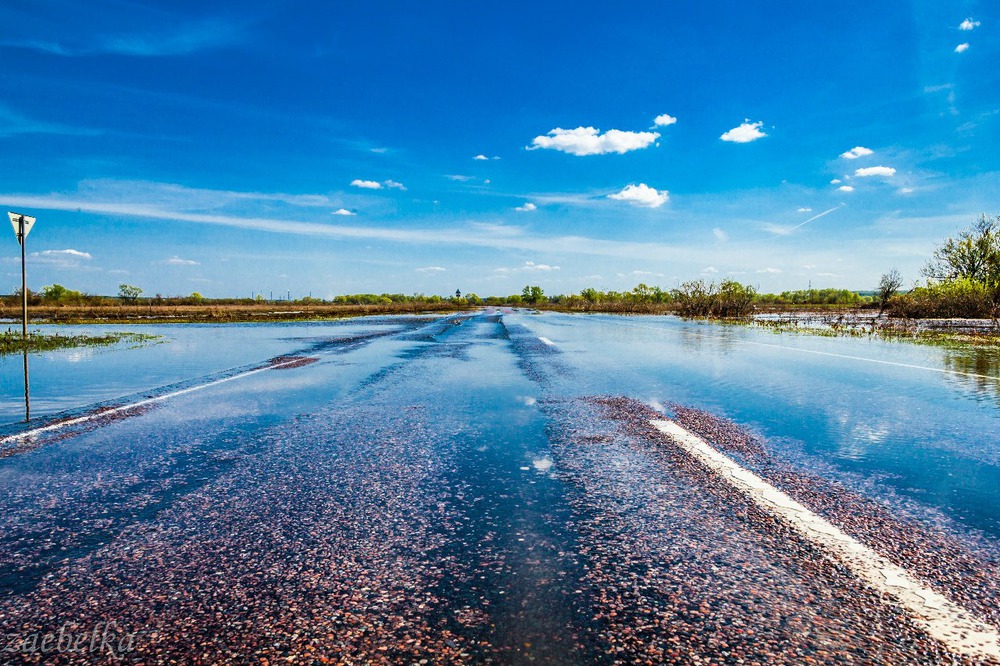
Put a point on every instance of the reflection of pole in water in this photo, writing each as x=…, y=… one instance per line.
x=27, y=399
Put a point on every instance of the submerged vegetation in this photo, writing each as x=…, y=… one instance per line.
x=11, y=341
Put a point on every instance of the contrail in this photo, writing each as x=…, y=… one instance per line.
x=815, y=217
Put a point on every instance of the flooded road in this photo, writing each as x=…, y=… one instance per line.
x=493, y=488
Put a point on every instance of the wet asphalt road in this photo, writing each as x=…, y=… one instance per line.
x=440, y=491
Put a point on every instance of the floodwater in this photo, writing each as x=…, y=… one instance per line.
x=485, y=488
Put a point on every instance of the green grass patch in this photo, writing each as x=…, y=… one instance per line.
x=11, y=342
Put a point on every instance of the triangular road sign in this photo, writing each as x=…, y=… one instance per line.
x=16, y=221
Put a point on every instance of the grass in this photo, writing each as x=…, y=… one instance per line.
x=12, y=343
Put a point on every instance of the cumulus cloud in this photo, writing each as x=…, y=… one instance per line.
x=532, y=266
x=431, y=269
x=375, y=185
x=968, y=24
x=664, y=119
x=845, y=188
x=343, y=211
x=526, y=208
x=709, y=270
x=856, y=152
x=745, y=133
x=64, y=254
x=483, y=158
x=177, y=261
x=720, y=234
x=962, y=48
x=590, y=141
x=642, y=195
x=874, y=171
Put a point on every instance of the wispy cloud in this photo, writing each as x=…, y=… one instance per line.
x=431, y=269
x=532, y=266
x=66, y=253
x=709, y=270
x=177, y=261
x=642, y=195
x=526, y=208
x=393, y=185
x=745, y=133
x=768, y=270
x=178, y=41
x=12, y=123
x=468, y=235
x=68, y=258
x=856, y=152
x=804, y=209
x=460, y=178
x=590, y=141
x=720, y=235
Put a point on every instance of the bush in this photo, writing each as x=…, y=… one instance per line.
x=952, y=298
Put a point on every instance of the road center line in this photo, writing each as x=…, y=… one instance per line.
x=944, y=620
x=141, y=403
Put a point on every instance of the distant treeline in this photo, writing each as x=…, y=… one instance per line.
x=962, y=280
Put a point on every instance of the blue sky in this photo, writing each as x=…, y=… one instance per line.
x=323, y=148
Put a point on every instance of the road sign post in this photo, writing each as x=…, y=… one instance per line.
x=22, y=225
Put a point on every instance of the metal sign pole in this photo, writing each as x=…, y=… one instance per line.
x=24, y=319
x=22, y=225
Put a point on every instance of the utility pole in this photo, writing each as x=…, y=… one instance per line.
x=22, y=225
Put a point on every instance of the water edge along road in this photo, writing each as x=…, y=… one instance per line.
x=497, y=487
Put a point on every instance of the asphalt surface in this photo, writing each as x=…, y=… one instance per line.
x=442, y=490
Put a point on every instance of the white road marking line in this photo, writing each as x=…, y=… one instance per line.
x=141, y=403
x=944, y=620
x=547, y=341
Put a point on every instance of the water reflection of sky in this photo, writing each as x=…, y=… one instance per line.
x=72, y=378
x=923, y=419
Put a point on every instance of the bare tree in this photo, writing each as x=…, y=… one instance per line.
x=887, y=288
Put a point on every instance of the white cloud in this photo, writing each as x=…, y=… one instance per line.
x=709, y=270
x=343, y=211
x=646, y=274
x=64, y=254
x=845, y=188
x=431, y=269
x=526, y=208
x=664, y=119
x=391, y=184
x=745, y=133
x=875, y=171
x=366, y=184
x=962, y=48
x=968, y=24
x=905, y=190
x=480, y=157
x=459, y=178
x=769, y=270
x=720, y=234
x=532, y=266
x=804, y=209
x=590, y=141
x=856, y=152
x=777, y=229
x=177, y=261
x=642, y=195
x=836, y=181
